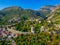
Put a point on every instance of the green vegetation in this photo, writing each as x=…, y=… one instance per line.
x=38, y=39
x=27, y=19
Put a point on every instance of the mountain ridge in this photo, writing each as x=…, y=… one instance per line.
x=15, y=11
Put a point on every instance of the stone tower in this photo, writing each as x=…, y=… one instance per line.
x=32, y=30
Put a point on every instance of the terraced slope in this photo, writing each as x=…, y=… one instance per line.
x=54, y=16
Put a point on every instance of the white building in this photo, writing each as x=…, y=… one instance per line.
x=32, y=29
x=42, y=29
x=49, y=21
x=39, y=21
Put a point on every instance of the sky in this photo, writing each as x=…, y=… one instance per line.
x=28, y=4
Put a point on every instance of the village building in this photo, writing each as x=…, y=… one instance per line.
x=14, y=20
x=38, y=19
x=48, y=21
x=13, y=43
x=32, y=30
x=42, y=29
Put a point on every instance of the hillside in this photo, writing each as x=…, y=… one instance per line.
x=54, y=16
x=31, y=27
x=45, y=10
x=18, y=11
x=14, y=11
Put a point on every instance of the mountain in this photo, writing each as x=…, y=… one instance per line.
x=45, y=10
x=18, y=11
x=55, y=15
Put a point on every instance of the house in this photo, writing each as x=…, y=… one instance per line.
x=11, y=26
x=48, y=21
x=13, y=42
x=37, y=19
x=14, y=20
x=14, y=35
x=42, y=29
